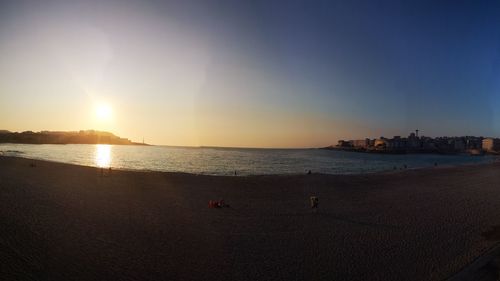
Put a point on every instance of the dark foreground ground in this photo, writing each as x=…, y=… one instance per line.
x=65, y=222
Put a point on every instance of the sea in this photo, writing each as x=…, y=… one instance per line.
x=232, y=161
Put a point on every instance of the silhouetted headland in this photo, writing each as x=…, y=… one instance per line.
x=54, y=137
x=421, y=144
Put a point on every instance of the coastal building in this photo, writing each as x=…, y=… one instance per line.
x=360, y=143
x=382, y=143
x=473, y=142
x=491, y=144
x=423, y=144
x=458, y=144
x=371, y=142
x=413, y=141
x=343, y=143
x=398, y=143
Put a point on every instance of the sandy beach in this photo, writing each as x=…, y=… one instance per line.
x=67, y=222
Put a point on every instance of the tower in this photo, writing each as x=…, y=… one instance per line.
x=416, y=131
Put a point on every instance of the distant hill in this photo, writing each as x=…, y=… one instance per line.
x=48, y=137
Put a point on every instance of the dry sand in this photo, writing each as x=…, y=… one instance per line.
x=66, y=222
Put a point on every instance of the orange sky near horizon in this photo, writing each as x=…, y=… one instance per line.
x=198, y=127
x=170, y=87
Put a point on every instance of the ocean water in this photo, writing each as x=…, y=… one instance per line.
x=225, y=161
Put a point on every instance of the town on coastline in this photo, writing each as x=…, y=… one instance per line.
x=422, y=144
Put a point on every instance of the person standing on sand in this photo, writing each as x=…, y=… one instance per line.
x=314, y=202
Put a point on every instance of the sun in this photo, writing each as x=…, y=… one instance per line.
x=103, y=112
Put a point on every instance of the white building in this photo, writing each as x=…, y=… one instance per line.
x=491, y=144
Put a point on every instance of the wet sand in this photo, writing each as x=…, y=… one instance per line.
x=67, y=222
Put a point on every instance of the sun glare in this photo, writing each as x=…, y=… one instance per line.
x=103, y=112
x=103, y=155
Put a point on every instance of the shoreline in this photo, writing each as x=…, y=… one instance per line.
x=409, y=152
x=388, y=171
x=64, y=221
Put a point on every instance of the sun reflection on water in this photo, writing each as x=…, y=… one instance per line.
x=103, y=155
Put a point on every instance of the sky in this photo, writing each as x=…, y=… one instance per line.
x=251, y=73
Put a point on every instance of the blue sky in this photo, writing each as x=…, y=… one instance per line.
x=253, y=73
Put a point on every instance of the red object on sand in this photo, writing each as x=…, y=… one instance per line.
x=216, y=204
